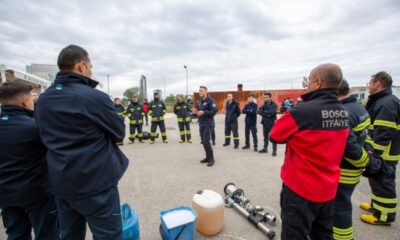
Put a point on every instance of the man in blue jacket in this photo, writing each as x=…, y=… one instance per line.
x=250, y=110
x=25, y=197
x=268, y=113
x=206, y=111
x=80, y=127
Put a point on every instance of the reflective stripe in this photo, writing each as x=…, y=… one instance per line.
x=164, y=134
x=188, y=119
x=350, y=176
x=384, y=211
x=384, y=200
x=362, y=125
x=362, y=162
x=132, y=136
x=180, y=119
x=380, y=147
x=385, y=123
x=391, y=158
x=227, y=137
x=182, y=132
x=343, y=234
x=188, y=132
x=140, y=135
x=237, y=138
x=153, y=134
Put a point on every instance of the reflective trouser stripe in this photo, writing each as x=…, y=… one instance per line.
x=188, y=132
x=343, y=234
x=384, y=211
x=163, y=134
x=350, y=176
x=182, y=133
x=384, y=200
x=227, y=137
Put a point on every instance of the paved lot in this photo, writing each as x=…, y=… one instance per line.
x=164, y=176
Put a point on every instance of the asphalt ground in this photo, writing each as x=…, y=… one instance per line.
x=164, y=176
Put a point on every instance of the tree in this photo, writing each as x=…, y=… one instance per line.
x=170, y=100
x=129, y=93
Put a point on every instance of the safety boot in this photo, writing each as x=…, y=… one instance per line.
x=366, y=207
x=371, y=219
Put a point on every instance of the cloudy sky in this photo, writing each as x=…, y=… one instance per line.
x=262, y=44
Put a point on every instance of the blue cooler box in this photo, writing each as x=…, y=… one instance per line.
x=130, y=223
x=171, y=229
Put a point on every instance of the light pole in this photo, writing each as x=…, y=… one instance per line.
x=187, y=82
x=108, y=84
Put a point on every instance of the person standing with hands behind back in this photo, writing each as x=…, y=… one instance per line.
x=206, y=112
x=315, y=133
x=80, y=127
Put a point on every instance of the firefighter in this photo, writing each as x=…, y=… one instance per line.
x=232, y=109
x=315, y=133
x=135, y=114
x=118, y=106
x=206, y=111
x=355, y=158
x=250, y=109
x=384, y=141
x=157, y=112
x=268, y=113
x=182, y=110
x=26, y=200
x=80, y=128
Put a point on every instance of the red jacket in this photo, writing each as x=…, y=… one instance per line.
x=315, y=134
x=145, y=107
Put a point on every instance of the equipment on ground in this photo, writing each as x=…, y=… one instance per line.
x=256, y=215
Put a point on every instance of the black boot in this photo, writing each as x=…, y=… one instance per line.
x=236, y=147
x=213, y=143
x=255, y=149
x=211, y=162
x=225, y=144
x=274, y=153
x=205, y=160
x=246, y=147
x=263, y=151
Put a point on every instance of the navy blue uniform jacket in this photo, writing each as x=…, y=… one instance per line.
x=23, y=170
x=80, y=126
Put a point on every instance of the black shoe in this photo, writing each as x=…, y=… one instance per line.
x=274, y=153
x=246, y=147
x=236, y=147
x=205, y=160
x=263, y=151
x=210, y=163
x=213, y=143
x=225, y=144
x=255, y=150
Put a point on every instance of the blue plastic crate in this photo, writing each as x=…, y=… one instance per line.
x=182, y=232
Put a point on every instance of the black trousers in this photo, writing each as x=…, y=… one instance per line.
x=253, y=130
x=342, y=221
x=213, y=135
x=184, y=130
x=40, y=216
x=231, y=127
x=133, y=129
x=266, y=130
x=383, y=199
x=146, y=117
x=153, y=130
x=101, y=212
x=304, y=220
x=205, y=134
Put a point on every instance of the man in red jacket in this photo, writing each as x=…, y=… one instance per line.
x=315, y=134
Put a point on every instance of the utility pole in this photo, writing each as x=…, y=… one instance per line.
x=187, y=81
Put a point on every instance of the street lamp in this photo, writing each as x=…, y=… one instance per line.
x=187, y=82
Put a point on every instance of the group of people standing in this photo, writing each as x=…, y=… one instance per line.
x=268, y=113
x=60, y=164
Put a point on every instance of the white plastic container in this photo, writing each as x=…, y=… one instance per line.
x=209, y=207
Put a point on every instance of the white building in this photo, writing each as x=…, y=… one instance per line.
x=11, y=74
x=45, y=71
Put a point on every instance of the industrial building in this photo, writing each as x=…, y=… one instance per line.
x=278, y=96
x=11, y=74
